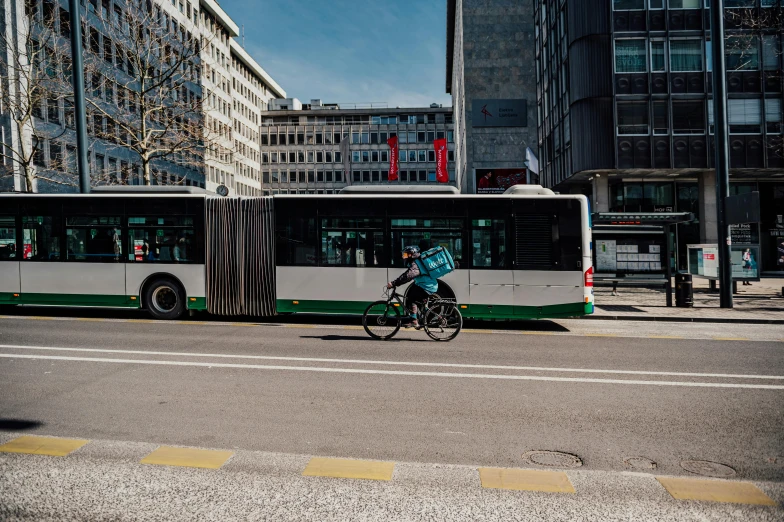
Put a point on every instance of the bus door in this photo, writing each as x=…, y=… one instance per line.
x=491, y=280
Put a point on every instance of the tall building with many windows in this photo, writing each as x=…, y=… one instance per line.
x=490, y=75
x=224, y=88
x=625, y=110
x=301, y=149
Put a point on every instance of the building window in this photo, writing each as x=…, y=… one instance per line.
x=685, y=55
x=684, y=4
x=773, y=115
x=742, y=53
x=632, y=118
x=660, y=117
x=745, y=116
x=630, y=56
x=688, y=117
x=622, y=5
x=771, y=51
x=658, y=60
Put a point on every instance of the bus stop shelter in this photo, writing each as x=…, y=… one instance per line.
x=631, y=248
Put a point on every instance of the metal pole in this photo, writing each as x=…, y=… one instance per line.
x=668, y=269
x=79, y=104
x=722, y=151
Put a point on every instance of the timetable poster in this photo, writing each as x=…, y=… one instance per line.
x=606, y=256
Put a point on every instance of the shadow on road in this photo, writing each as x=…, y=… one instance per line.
x=360, y=338
x=542, y=325
x=19, y=424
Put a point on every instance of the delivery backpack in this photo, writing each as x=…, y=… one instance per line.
x=437, y=262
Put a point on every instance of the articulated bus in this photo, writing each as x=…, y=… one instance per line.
x=524, y=254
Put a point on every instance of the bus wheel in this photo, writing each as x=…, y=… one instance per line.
x=164, y=299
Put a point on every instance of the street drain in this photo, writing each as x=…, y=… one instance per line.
x=552, y=459
x=707, y=468
x=640, y=463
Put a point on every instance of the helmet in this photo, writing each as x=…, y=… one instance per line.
x=411, y=251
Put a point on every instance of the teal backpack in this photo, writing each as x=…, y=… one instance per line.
x=437, y=262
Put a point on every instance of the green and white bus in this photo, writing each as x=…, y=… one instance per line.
x=524, y=254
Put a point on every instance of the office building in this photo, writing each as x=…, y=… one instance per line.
x=301, y=149
x=227, y=85
x=491, y=77
x=625, y=111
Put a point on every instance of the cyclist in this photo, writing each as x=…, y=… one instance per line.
x=420, y=277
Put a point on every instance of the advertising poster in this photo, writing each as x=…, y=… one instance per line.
x=496, y=181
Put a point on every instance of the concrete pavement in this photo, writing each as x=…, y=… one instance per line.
x=603, y=391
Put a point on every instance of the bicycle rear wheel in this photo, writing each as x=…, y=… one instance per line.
x=381, y=320
x=443, y=321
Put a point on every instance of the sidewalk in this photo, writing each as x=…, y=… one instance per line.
x=759, y=303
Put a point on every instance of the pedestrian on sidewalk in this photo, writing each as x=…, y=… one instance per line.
x=748, y=264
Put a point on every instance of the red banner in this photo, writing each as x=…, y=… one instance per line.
x=393, y=157
x=442, y=176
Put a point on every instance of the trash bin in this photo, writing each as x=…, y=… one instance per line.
x=684, y=291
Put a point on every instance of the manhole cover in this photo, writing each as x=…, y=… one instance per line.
x=707, y=468
x=552, y=459
x=640, y=463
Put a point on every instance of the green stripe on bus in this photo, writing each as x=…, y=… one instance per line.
x=120, y=301
x=469, y=311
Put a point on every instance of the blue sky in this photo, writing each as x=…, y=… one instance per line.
x=349, y=51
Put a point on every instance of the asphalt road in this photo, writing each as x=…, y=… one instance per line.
x=604, y=391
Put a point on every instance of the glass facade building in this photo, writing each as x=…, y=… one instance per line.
x=625, y=108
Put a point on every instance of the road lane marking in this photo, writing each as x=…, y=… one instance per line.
x=715, y=491
x=35, y=445
x=187, y=457
x=396, y=372
x=349, y=468
x=339, y=327
x=525, y=480
x=730, y=339
x=394, y=363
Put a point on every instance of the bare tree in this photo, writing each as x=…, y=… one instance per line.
x=36, y=76
x=151, y=102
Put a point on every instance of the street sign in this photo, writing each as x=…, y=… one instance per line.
x=743, y=208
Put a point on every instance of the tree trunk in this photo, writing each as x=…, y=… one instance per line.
x=146, y=171
x=29, y=174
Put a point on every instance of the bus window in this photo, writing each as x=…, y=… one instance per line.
x=93, y=239
x=488, y=243
x=352, y=242
x=8, y=238
x=162, y=239
x=297, y=242
x=426, y=234
x=41, y=238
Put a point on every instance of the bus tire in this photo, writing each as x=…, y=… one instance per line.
x=164, y=299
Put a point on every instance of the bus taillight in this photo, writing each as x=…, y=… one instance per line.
x=589, y=276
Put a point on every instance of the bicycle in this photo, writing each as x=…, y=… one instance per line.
x=439, y=317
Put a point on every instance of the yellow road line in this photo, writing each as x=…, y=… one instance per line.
x=715, y=491
x=537, y=333
x=187, y=457
x=34, y=445
x=525, y=480
x=349, y=468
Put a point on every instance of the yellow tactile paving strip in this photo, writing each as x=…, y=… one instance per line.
x=680, y=488
x=526, y=480
x=187, y=457
x=54, y=446
x=349, y=468
x=715, y=491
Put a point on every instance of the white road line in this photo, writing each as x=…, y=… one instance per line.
x=395, y=372
x=394, y=363
x=468, y=331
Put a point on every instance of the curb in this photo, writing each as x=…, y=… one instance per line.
x=677, y=319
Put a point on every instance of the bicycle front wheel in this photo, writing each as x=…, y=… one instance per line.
x=443, y=321
x=381, y=320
